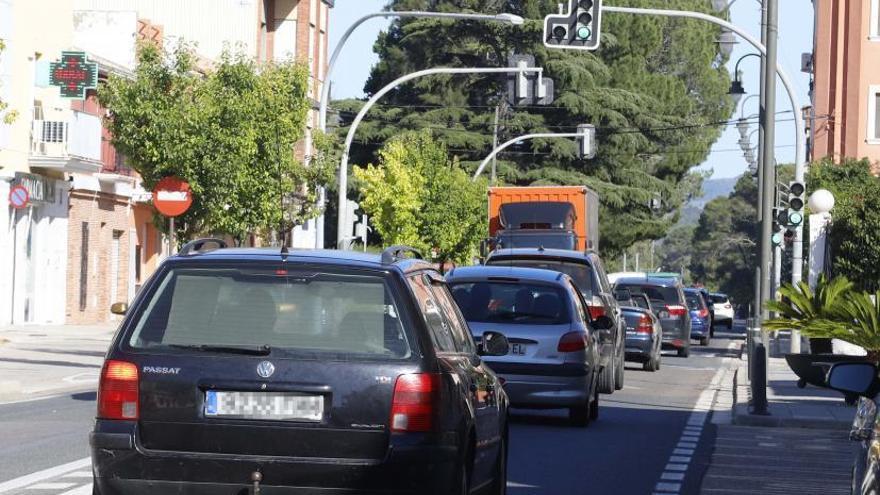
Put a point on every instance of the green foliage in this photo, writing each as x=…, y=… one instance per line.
x=801, y=307
x=835, y=310
x=230, y=133
x=654, y=90
x=10, y=116
x=855, y=234
x=675, y=252
x=417, y=196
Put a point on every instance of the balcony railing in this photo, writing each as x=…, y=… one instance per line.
x=60, y=141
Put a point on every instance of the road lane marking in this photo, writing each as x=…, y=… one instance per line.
x=44, y=475
x=679, y=461
x=83, y=490
x=78, y=474
x=51, y=486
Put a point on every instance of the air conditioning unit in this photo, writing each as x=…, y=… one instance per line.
x=49, y=137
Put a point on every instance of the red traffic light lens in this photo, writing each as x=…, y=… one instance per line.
x=797, y=188
x=559, y=32
x=585, y=4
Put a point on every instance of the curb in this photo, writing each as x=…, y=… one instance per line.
x=741, y=416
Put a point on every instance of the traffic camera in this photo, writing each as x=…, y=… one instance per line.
x=576, y=29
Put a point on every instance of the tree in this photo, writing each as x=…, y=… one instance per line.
x=418, y=196
x=10, y=116
x=855, y=232
x=230, y=133
x=655, y=90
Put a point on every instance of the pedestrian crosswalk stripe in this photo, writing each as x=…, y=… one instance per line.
x=83, y=490
x=50, y=486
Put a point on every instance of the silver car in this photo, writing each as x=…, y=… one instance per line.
x=554, y=352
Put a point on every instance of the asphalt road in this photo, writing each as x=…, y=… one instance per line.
x=630, y=449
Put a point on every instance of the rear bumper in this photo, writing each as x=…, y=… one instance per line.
x=639, y=347
x=122, y=466
x=699, y=329
x=544, y=385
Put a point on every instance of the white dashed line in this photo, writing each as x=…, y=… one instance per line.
x=46, y=474
x=681, y=456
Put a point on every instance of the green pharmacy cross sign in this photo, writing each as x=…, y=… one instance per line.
x=74, y=74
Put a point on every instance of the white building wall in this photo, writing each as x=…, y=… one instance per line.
x=212, y=24
x=50, y=259
x=109, y=35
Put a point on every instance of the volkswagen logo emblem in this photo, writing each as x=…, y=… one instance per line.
x=265, y=369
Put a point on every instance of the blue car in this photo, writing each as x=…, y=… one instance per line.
x=701, y=319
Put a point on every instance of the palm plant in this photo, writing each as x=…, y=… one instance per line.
x=857, y=322
x=801, y=307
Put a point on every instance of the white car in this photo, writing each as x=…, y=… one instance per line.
x=723, y=309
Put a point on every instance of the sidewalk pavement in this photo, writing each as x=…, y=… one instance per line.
x=788, y=405
x=44, y=360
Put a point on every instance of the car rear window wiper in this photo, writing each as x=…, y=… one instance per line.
x=261, y=350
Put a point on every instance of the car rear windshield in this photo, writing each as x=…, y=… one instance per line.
x=718, y=299
x=293, y=311
x=662, y=295
x=694, y=301
x=581, y=273
x=504, y=302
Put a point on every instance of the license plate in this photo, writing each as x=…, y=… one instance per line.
x=518, y=349
x=279, y=406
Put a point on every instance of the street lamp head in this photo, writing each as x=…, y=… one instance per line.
x=512, y=19
x=726, y=42
x=821, y=201
x=736, y=90
x=719, y=5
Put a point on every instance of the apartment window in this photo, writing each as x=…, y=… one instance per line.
x=875, y=20
x=874, y=114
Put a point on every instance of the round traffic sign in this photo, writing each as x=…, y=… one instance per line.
x=172, y=196
x=19, y=197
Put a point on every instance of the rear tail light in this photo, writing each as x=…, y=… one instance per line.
x=703, y=313
x=676, y=311
x=645, y=326
x=596, y=311
x=572, y=342
x=413, y=405
x=118, y=391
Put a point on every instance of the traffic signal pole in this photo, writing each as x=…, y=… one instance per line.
x=343, y=223
x=767, y=164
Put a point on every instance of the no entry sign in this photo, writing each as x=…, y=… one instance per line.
x=172, y=196
x=19, y=197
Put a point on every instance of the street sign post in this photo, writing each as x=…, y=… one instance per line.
x=19, y=197
x=172, y=197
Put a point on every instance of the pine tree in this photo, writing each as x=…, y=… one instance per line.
x=655, y=90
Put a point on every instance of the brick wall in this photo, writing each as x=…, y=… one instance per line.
x=104, y=213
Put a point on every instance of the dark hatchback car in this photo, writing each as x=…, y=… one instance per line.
x=588, y=273
x=300, y=372
x=668, y=300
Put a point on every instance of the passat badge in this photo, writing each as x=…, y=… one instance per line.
x=265, y=369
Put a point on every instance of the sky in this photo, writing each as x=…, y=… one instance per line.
x=725, y=159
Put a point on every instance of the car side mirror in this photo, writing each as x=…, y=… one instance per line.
x=854, y=378
x=494, y=344
x=119, y=308
x=603, y=323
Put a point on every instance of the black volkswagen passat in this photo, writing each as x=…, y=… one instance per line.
x=238, y=370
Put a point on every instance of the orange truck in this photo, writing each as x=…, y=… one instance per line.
x=552, y=217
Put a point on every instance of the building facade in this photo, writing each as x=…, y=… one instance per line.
x=87, y=237
x=846, y=80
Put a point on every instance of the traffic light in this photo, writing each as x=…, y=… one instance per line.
x=796, y=196
x=576, y=29
x=587, y=145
